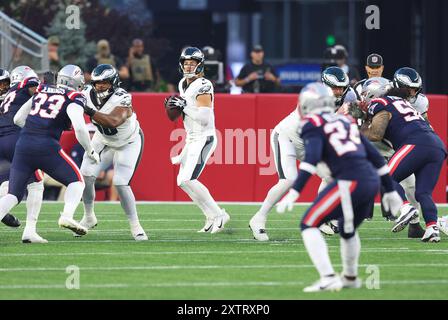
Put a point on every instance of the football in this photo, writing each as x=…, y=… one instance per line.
x=173, y=113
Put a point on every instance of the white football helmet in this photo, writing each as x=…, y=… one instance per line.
x=71, y=77
x=21, y=73
x=316, y=97
x=375, y=88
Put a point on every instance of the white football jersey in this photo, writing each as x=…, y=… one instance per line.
x=198, y=87
x=421, y=104
x=127, y=131
x=291, y=127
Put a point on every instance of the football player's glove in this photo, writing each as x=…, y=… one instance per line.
x=287, y=202
x=175, y=102
x=392, y=202
x=94, y=156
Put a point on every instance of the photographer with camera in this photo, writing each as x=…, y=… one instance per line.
x=214, y=69
x=257, y=76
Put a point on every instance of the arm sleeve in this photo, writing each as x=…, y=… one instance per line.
x=22, y=114
x=200, y=114
x=313, y=154
x=76, y=115
x=379, y=163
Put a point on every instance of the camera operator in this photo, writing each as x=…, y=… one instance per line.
x=214, y=69
x=257, y=76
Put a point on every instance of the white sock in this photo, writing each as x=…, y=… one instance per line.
x=6, y=204
x=195, y=198
x=88, y=196
x=350, y=250
x=318, y=251
x=33, y=205
x=127, y=201
x=204, y=196
x=4, y=188
x=274, y=195
x=72, y=198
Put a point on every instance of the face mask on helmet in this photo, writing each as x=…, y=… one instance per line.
x=335, y=77
x=410, y=79
x=21, y=73
x=191, y=53
x=105, y=74
x=375, y=88
x=71, y=77
x=5, y=81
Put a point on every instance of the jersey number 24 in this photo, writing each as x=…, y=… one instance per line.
x=341, y=139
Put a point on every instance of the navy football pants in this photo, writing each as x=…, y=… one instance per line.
x=425, y=162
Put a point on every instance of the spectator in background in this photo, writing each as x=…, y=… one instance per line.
x=53, y=55
x=104, y=56
x=374, y=68
x=257, y=76
x=143, y=73
x=340, y=56
x=20, y=59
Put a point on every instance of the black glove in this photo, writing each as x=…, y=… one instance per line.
x=89, y=111
x=175, y=102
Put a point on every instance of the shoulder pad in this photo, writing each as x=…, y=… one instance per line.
x=203, y=86
x=314, y=119
x=29, y=82
x=121, y=98
x=76, y=96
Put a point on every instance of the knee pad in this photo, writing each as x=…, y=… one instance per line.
x=36, y=186
x=4, y=188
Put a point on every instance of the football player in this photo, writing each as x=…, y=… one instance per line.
x=119, y=141
x=356, y=167
x=51, y=110
x=418, y=149
x=23, y=82
x=338, y=81
x=196, y=101
x=5, y=82
x=287, y=147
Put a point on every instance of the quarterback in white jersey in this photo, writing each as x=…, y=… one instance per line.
x=118, y=140
x=196, y=104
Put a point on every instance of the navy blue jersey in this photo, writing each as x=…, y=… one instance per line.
x=48, y=116
x=15, y=98
x=406, y=125
x=335, y=139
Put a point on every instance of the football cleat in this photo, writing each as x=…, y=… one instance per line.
x=415, y=231
x=408, y=213
x=220, y=222
x=442, y=223
x=33, y=238
x=351, y=284
x=207, y=226
x=258, y=230
x=11, y=221
x=333, y=283
x=89, y=223
x=326, y=229
x=431, y=234
x=138, y=233
x=334, y=225
x=71, y=224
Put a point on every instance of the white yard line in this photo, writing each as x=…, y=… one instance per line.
x=209, y=284
x=208, y=252
x=207, y=267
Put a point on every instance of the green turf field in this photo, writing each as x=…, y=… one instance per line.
x=178, y=263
